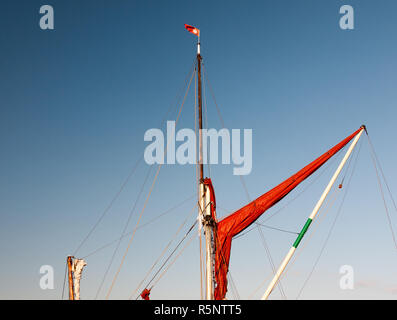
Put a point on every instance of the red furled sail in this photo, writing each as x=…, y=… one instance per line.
x=235, y=223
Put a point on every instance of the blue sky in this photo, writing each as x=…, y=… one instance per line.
x=77, y=100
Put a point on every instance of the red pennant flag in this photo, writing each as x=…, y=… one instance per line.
x=192, y=30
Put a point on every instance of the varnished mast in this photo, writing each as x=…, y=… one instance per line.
x=70, y=278
x=204, y=194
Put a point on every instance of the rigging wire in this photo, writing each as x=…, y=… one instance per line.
x=233, y=286
x=181, y=91
x=223, y=125
x=247, y=194
x=313, y=229
x=333, y=223
x=110, y=204
x=319, y=219
x=241, y=177
x=173, y=261
x=274, y=228
x=262, y=225
x=248, y=197
x=169, y=257
x=124, y=229
x=271, y=261
x=213, y=97
x=223, y=262
x=375, y=160
x=163, y=252
x=260, y=286
x=140, y=227
x=380, y=168
x=326, y=207
x=132, y=171
x=64, y=280
x=148, y=196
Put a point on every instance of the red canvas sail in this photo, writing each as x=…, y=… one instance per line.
x=235, y=223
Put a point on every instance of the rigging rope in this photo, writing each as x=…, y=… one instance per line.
x=271, y=261
x=223, y=261
x=260, y=286
x=241, y=177
x=213, y=97
x=123, y=232
x=333, y=223
x=173, y=261
x=131, y=172
x=163, y=252
x=140, y=227
x=278, y=229
x=169, y=257
x=110, y=204
x=259, y=224
x=326, y=207
x=233, y=286
x=64, y=280
x=148, y=197
x=223, y=126
x=375, y=160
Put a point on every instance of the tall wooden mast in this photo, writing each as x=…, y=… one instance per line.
x=200, y=111
x=70, y=278
x=208, y=224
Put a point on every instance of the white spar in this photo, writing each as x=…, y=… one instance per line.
x=311, y=217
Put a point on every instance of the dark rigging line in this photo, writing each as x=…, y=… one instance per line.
x=64, y=280
x=124, y=229
x=140, y=227
x=260, y=224
x=110, y=204
x=170, y=255
x=383, y=175
x=131, y=172
x=173, y=261
x=163, y=252
x=233, y=286
x=147, y=198
x=278, y=229
x=382, y=193
x=271, y=262
x=241, y=178
x=213, y=97
x=223, y=126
